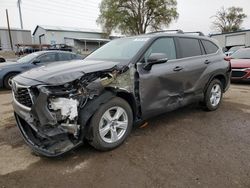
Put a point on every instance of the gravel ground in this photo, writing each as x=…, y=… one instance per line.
x=185, y=148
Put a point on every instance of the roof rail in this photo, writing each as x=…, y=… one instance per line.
x=164, y=31
x=198, y=32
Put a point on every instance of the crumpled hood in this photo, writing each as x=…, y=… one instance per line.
x=63, y=72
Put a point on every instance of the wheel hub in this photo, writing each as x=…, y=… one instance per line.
x=113, y=124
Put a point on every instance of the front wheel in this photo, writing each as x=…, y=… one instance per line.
x=111, y=124
x=7, y=80
x=213, y=95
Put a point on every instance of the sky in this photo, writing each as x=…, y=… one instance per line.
x=194, y=15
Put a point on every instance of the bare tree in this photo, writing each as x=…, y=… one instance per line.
x=228, y=20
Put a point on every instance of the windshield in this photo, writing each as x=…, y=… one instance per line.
x=242, y=54
x=235, y=48
x=27, y=58
x=120, y=49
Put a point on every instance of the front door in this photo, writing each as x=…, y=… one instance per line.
x=160, y=88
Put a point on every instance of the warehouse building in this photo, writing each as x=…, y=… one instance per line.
x=228, y=40
x=19, y=36
x=84, y=40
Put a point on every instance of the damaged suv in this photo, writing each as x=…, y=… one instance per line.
x=99, y=99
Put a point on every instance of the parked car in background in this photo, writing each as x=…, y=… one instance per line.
x=61, y=47
x=233, y=49
x=240, y=62
x=124, y=82
x=10, y=69
x=2, y=59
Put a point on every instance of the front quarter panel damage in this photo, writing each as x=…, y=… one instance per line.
x=60, y=114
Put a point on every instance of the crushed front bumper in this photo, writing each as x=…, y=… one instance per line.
x=45, y=144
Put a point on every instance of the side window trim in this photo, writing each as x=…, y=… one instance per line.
x=203, y=50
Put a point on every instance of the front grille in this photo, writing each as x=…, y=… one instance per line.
x=238, y=74
x=23, y=97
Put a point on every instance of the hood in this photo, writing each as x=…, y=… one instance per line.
x=63, y=72
x=8, y=64
x=240, y=63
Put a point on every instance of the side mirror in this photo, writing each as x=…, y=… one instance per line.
x=36, y=61
x=224, y=49
x=155, y=58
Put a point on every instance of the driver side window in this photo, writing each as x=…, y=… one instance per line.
x=50, y=57
x=162, y=45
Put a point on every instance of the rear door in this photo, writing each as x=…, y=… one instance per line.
x=64, y=56
x=193, y=63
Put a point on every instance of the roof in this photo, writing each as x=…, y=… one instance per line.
x=67, y=29
x=14, y=29
x=241, y=31
x=160, y=34
x=90, y=39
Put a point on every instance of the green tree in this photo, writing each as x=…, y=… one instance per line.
x=134, y=17
x=228, y=20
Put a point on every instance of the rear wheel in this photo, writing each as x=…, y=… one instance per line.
x=213, y=95
x=111, y=124
x=7, y=80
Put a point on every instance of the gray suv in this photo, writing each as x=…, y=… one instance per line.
x=99, y=99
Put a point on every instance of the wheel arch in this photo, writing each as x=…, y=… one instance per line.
x=220, y=77
x=87, y=112
x=129, y=98
x=8, y=73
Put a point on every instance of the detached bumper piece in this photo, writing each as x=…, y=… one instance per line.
x=49, y=146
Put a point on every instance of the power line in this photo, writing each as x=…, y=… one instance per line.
x=64, y=6
x=59, y=14
x=67, y=12
x=65, y=9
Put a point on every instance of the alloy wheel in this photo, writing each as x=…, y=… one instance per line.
x=113, y=124
x=215, y=95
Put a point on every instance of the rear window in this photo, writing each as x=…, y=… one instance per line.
x=209, y=47
x=190, y=47
x=64, y=56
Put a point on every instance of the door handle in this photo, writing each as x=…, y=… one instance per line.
x=178, y=68
x=207, y=62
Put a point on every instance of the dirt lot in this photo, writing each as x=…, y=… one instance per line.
x=185, y=148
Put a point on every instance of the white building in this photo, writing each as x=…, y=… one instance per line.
x=85, y=40
x=18, y=36
x=228, y=40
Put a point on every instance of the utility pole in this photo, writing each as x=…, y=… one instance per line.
x=20, y=13
x=8, y=23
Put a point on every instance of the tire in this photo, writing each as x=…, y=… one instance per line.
x=213, y=95
x=2, y=60
x=98, y=123
x=7, y=79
